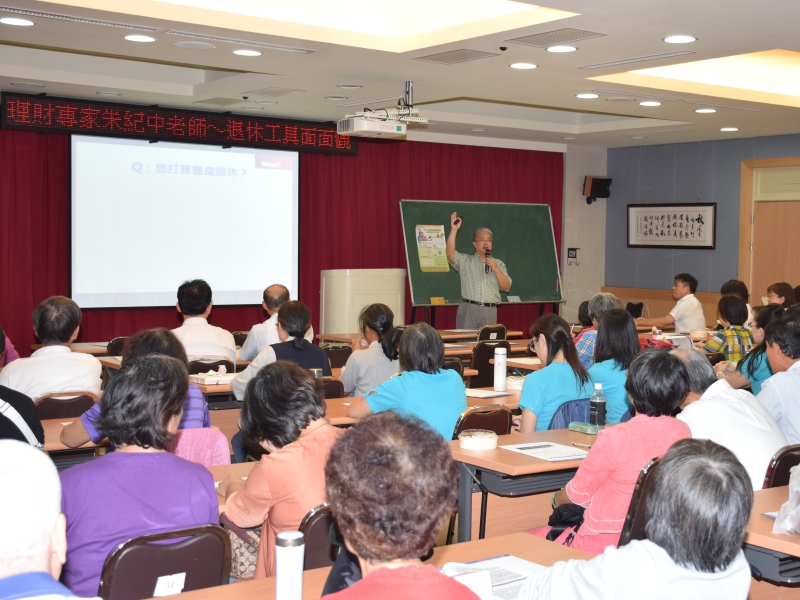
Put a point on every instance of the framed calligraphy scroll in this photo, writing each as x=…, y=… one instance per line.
x=672, y=226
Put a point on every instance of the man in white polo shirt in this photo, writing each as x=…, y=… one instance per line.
x=199, y=338
x=265, y=334
x=780, y=394
x=54, y=367
x=715, y=411
x=688, y=312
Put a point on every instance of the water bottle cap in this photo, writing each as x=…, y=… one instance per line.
x=290, y=538
x=598, y=386
x=499, y=351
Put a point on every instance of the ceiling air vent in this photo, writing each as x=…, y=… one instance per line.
x=273, y=92
x=555, y=38
x=456, y=56
x=220, y=101
x=213, y=38
x=70, y=19
x=635, y=59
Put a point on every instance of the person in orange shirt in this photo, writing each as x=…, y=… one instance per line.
x=284, y=413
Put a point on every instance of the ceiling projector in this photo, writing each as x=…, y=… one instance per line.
x=383, y=122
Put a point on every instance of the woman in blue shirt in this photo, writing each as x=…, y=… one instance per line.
x=616, y=346
x=423, y=388
x=563, y=377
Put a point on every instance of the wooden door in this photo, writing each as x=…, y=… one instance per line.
x=776, y=246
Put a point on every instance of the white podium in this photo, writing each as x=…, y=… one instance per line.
x=344, y=292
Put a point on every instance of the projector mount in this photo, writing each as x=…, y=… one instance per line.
x=404, y=112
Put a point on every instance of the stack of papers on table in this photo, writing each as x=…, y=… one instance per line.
x=500, y=577
x=212, y=378
x=476, y=393
x=532, y=360
x=455, y=346
x=548, y=451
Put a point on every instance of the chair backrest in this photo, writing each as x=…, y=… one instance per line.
x=332, y=387
x=627, y=415
x=132, y=570
x=64, y=405
x=635, y=309
x=778, y=469
x=338, y=355
x=197, y=365
x=316, y=526
x=494, y=417
x=633, y=528
x=239, y=337
x=569, y=411
x=454, y=363
x=206, y=446
x=116, y=345
x=482, y=353
x=492, y=332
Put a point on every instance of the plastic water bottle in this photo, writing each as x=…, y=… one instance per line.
x=289, y=554
x=597, y=406
x=500, y=356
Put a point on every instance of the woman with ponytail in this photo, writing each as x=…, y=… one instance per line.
x=374, y=357
x=294, y=319
x=563, y=377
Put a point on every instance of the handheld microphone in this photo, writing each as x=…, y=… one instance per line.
x=486, y=267
x=457, y=221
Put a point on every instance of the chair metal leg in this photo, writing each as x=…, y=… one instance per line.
x=450, y=531
x=484, y=504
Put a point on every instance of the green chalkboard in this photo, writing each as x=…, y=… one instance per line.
x=523, y=240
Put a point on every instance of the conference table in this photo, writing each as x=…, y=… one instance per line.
x=447, y=335
x=95, y=348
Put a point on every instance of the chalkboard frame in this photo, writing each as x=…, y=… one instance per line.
x=559, y=287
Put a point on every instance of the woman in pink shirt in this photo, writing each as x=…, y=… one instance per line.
x=603, y=485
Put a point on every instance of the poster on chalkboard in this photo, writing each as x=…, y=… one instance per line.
x=672, y=226
x=432, y=249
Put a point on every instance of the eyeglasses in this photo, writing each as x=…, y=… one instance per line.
x=484, y=240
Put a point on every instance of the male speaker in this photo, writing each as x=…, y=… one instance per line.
x=596, y=187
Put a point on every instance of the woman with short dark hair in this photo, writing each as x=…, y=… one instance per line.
x=603, y=485
x=696, y=515
x=284, y=413
x=616, y=346
x=561, y=379
x=423, y=388
x=139, y=488
x=781, y=293
x=390, y=485
x=374, y=357
x=734, y=341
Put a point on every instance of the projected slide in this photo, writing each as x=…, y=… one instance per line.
x=147, y=217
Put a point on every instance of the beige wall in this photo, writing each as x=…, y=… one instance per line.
x=584, y=228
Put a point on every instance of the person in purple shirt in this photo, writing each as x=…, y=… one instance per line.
x=140, y=488
x=145, y=343
x=11, y=353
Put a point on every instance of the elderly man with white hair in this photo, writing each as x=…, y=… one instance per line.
x=735, y=419
x=584, y=343
x=33, y=538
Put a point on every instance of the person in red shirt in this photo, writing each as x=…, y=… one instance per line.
x=390, y=484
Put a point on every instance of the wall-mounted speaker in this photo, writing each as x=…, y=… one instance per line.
x=596, y=187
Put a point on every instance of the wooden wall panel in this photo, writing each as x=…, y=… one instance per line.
x=658, y=303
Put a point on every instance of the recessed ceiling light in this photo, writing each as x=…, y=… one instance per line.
x=706, y=111
x=729, y=129
x=680, y=39
x=266, y=101
x=349, y=86
x=247, y=52
x=335, y=97
x=27, y=84
x=252, y=108
x=477, y=129
x=140, y=38
x=587, y=96
x=109, y=94
x=522, y=66
x=561, y=49
x=569, y=138
x=649, y=103
x=16, y=21
x=638, y=137
x=189, y=45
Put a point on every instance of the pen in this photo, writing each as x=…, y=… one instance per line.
x=582, y=445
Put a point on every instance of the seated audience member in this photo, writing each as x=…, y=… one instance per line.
x=603, y=485
x=583, y=319
x=781, y=293
x=284, y=413
x=390, y=486
x=199, y=338
x=753, y=369
x=616, y=346
x=18, y=418
x=140, y=488
x=561, y=379
x=715, y=411
x=145, y=343
x=734, y=286
x=10, y=354
x=734, y=341
x=796, y=294
x=33, y=544
x=780, y=392
x=374, y=357
x=696, y=518
x=266, y=333
x=687, y=313
x=423, y=388
x=54, y=367
x=294, y=319
x=584, y=344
